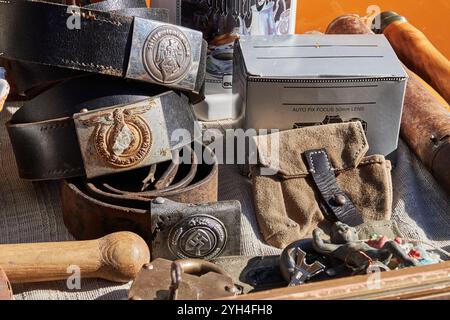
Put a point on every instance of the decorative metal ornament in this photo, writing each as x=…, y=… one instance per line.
x=121, y=137
x=167, y=54
x=195, y=231
x=198, y=236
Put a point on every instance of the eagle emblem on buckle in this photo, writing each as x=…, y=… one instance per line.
x=122, y=138
x=167, y=54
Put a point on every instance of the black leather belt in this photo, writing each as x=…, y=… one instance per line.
x=119, y=126
x=121, y=43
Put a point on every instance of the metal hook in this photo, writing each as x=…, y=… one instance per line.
x=175, y=276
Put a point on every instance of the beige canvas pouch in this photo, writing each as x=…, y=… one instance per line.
x=310, y=177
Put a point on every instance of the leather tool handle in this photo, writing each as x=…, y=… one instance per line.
x=420, y=55
x=117, y=257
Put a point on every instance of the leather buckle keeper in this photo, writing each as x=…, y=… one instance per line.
x=335, y=204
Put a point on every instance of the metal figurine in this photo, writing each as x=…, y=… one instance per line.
x=346, y=246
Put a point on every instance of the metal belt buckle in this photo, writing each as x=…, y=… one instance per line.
x=122, y=138
x=203, y=231
x=165, y=54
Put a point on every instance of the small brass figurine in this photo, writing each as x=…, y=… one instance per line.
x=346, y=246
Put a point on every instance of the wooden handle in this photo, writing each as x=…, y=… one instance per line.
x=117, y=257
x=420, y=55
x=5, y=287
x=425, y=120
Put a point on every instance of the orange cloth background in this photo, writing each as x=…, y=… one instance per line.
x=431, y=17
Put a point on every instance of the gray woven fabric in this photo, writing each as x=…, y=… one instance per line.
x=31, y=212
x=421, y=208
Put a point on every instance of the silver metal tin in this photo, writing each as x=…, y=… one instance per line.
x=164, y=54
x=297, y=81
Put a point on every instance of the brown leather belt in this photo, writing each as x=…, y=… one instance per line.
x=121, y=202
x=172, y=205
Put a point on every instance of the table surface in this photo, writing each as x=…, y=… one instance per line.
x=31, y=212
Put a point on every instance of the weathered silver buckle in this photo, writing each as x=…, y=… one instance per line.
x=195, y=231
x=165, y=54
x=122, y=138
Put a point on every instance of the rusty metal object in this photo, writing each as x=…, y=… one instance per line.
x=425, y=121
x=94, y=208
x=5, y=287
x=188, y=279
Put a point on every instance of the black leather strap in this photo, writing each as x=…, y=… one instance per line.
x=36, y=32
x=43, y=134
x=336, y=205
x=30, y=79
x=113, y=5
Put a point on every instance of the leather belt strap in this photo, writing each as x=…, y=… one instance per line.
x=127, y=126
x=335, y=205
x=29, y=79
x=173, y=205
x=122, y=201
x=108, y=43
